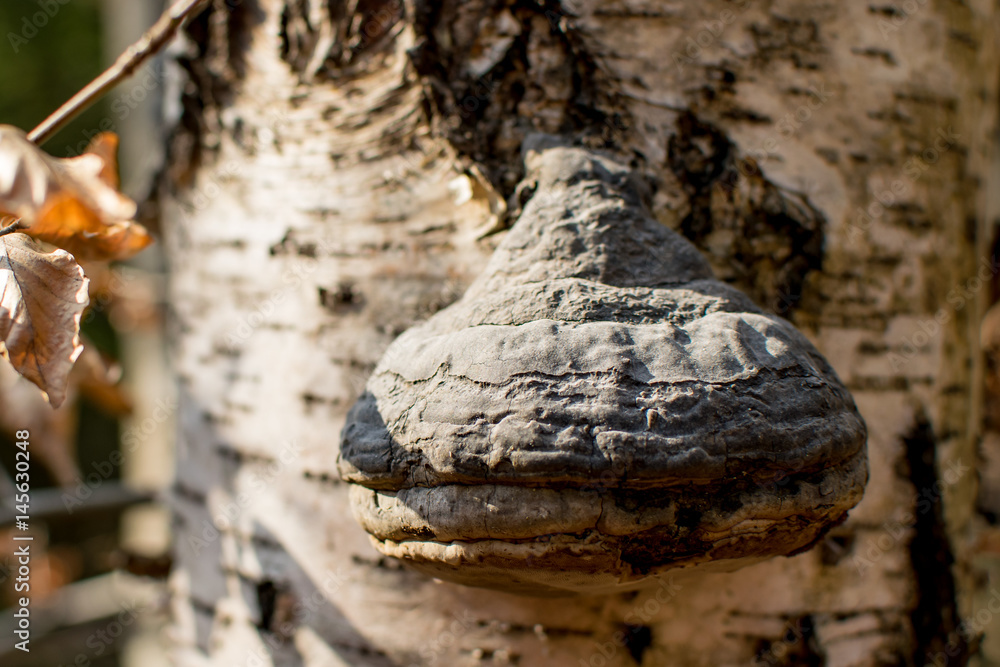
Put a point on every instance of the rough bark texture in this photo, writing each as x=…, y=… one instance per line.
x=343, y=170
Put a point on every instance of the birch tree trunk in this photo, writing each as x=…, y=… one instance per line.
x=342, y=170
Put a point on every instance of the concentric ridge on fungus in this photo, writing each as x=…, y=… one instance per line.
x=598, y=408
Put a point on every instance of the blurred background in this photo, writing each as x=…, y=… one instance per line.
x=101, y=552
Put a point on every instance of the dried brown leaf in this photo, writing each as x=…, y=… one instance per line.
x=42, y=298
x=72, y=203
x=105, y=147
x=67, y=223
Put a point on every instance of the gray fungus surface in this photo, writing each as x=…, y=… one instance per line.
x=598, y=409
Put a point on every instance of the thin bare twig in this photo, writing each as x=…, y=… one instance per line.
x=11, y=228
x=151, y=43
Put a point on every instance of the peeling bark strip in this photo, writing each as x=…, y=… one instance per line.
x=319, y=206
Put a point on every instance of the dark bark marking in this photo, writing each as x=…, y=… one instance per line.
x=240, y=458
x=290, y=244
x=277, y=606
x=345, y=298
x=880, y=54
x=638, y=638
x=834, y=548
x=277, y=609
x=154, y=567
x=487, y=117
x=361, y=30
x=312, y=400
x=793, y=39
x=322, y=478
x=202, y=607
x=293, y=48
x=267, y=594
x=935, y=617
x=220, y=36
x=778, y=235
x=798, y=647
x=886, y=10
x=380, y=563
x=188, y=493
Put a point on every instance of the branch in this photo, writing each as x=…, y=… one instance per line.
x=149, y=45
x=11, y=228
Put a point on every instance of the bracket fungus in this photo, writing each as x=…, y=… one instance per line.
x=597, y=409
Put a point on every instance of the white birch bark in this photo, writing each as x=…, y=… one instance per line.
x=333, y=180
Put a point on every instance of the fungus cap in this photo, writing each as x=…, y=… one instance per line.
x=598, y=409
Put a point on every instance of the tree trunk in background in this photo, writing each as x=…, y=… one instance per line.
x=343, y=169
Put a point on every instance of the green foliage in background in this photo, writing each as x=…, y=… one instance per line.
x=49, y=49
